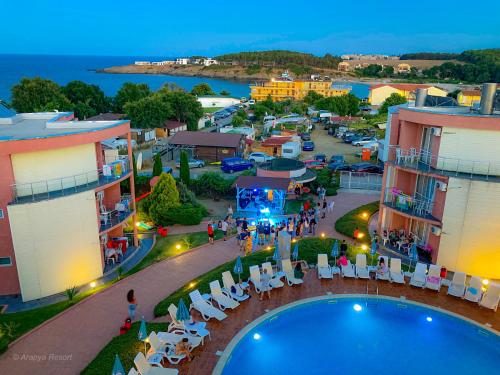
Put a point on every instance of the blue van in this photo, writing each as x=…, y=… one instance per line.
x=231, y=165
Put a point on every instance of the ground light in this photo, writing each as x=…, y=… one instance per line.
x=322, y=235
x=256, y=336
x=268, y=248
x=429, y=319
x=178, y=246
x=93, y=284
x=192, y=285
x=364, y=247
x=486, y=282
x=365, y=215
x=361, y=235
x=357, y=307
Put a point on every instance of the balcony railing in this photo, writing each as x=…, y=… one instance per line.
x=55, y=188
x=414, y=205
x=119, y=213
x=424, y=160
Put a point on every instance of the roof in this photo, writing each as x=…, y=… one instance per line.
x=471, y=92
x=173, y=124
x=275, y=141
x=107, y=117
x=402, y=86
x=256, y=182
x=5, y=111
x=206, y=139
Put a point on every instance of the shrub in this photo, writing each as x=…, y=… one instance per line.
x=212, y=185
x=186, y=195
x=157, y=165
x=355, y=219
x=186, y=214
x=184, y=168
x=163, y=198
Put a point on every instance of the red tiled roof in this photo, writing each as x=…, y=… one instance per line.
x=471, y=92
x=402, y=86
x=107, y=117
x=275, y=141
x=172, y=124
x=206, y=139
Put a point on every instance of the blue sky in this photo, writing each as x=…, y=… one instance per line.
x=211, y=27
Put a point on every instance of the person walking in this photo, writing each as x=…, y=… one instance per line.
x=265, y=279
x=230, y=210
x=224, y=226
x=343, y=247
x=210, y=232
x=356, y=234
x=330, y=206
x=132, y=304
x=323, y=209
x=249, y=244
x=238, y=235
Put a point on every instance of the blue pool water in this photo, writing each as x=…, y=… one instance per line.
x=331, y=337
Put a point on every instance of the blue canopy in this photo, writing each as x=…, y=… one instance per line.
x=295, y=254
x=182, y=312
x=276, y=255
x=118, y=367
x=414, y=252
x=335, y=249
x=373, y=248
x=238, y=266
x=143, y=333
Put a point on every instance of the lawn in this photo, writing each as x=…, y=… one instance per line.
x=292, y=206
x=128, y=345
x=359, y=218
x=14, y=325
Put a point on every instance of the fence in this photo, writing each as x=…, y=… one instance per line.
x=360, y=180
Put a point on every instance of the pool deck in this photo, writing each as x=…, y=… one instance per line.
x=222, y=332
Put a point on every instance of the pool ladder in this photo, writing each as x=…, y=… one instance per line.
x=373, y=301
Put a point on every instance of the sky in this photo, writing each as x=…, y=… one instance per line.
x=174, y=28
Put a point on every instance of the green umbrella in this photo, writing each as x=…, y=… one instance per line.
x=118, y=367
x=143, y=333
x=182, y=312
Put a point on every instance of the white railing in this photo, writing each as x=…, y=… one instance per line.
x=360, y=180
x=424, y=160
x=412, y=204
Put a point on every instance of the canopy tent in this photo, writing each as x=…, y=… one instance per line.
x=261, y=194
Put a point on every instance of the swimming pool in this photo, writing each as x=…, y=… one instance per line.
x=359, y=335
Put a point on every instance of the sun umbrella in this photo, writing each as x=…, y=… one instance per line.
x=118, y=367
x=182, y=312
x=276, y=255
x=295, y=254
x=335, y=250
x=238, y=268
x=143, y=333
x=373, y=249
x=413, y=253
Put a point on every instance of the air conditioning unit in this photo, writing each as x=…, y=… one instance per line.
x=441, y=186
x=436, y=132
x=436, y=231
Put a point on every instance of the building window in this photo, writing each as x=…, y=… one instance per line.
x=5, y=261
x=1, y=214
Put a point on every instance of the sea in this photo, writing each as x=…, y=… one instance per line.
x=63, y=69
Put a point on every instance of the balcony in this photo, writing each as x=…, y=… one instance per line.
x=423, y=160
x=416, y=205
x=108, y=219
x=60, y=187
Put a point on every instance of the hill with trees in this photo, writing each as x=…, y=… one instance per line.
x=429, y=56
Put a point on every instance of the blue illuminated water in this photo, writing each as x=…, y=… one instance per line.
x=383, y=337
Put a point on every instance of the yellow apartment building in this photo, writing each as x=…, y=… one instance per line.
x=282, y=89
x=469, y=97
x=379, y=93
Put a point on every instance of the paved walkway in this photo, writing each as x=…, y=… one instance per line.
x=82, y=331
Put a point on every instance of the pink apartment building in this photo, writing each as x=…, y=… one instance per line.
x=60, y=200
x=442, y=182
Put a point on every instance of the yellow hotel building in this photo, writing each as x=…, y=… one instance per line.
x=282, y=89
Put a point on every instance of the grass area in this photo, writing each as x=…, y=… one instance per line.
x=292, y=206
x=211, y=109
x=13, y=325
x=357, y=218
x=127, y=345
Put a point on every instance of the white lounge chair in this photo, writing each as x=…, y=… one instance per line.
x=133, y=371
x=228, y=282
x=387, y=275
x=491, y=297
x=172, y=338
x=206, y=309
x=474, y=290
x=289, y=275
x=145, y=368
x=221, y=297
x=324, y=269
x=457, y=286
x=255, y=277
x=433, y=279
x=197, y=328
x=396, y=274
x=347, y=270
x=418, y=277
x=361, y=268
x=275, y=280
x=165, y=350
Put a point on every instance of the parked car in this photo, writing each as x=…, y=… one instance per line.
x=366, y=167
x=193, y=163
x=347, y=134
x=331, y=131
x=320, y=157
x=231, y=165
x=259, y=157
x=308, y=146
x=350, y=138
x=251, y=102
x=337, y=159
x=363, y=140
x=338, y=166
x=314, y=164
x=305, y=136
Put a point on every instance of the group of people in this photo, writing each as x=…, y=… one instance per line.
x=399, y=239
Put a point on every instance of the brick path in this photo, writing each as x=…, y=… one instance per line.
x=83, y=330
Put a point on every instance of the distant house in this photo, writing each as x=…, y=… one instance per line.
x=107, y=117
x=379, y=93
x=403, y=68
x=209, y=61
x=214, y=101
x=142, y=63
x=469, y=97
x=169, y=128
x=210, y=146
x=182, y=61
x=142, y=135
x=163, y=63
x=344, y=66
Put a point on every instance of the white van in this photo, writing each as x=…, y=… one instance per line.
x=291, y=150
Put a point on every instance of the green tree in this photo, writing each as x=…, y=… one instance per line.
x=185, y=107
x=237, y=121
x=225, y=93
x=130, y=92
x=393, y=99
x=148, y=112
x=37, y=95
x=212, y=184
x=163, y=198
x=134, y=167
x=157, y=165
x=312, y=97
x=88, y=99
x=184, y=168
x=202, y=89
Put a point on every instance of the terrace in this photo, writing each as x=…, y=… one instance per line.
x=415, y=205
